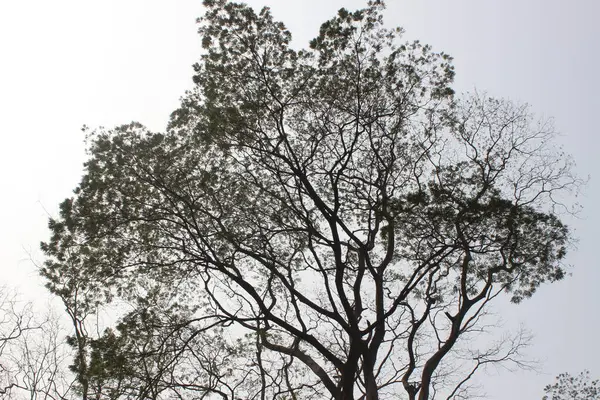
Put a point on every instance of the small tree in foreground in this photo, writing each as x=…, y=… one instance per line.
x=331, y=222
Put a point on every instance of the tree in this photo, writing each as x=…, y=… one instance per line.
x=336, y=216
x=40, y=359
x=16, y=319
x=32, y=352
x=568, y=387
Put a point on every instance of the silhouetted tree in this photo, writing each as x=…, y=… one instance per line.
x=328, y=222
x=33, y=352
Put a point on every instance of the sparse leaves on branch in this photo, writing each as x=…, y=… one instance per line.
x=569, y=387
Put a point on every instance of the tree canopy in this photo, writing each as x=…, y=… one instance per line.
x=329, y=222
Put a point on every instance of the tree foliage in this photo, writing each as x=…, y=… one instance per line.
x=568, y=387
x=328, y=222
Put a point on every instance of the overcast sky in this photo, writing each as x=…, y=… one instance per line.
x=66, y=63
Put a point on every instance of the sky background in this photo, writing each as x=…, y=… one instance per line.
x=67, y=63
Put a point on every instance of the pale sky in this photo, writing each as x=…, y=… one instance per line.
x=66, y=63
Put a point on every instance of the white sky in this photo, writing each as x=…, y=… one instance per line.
x=65, y=63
